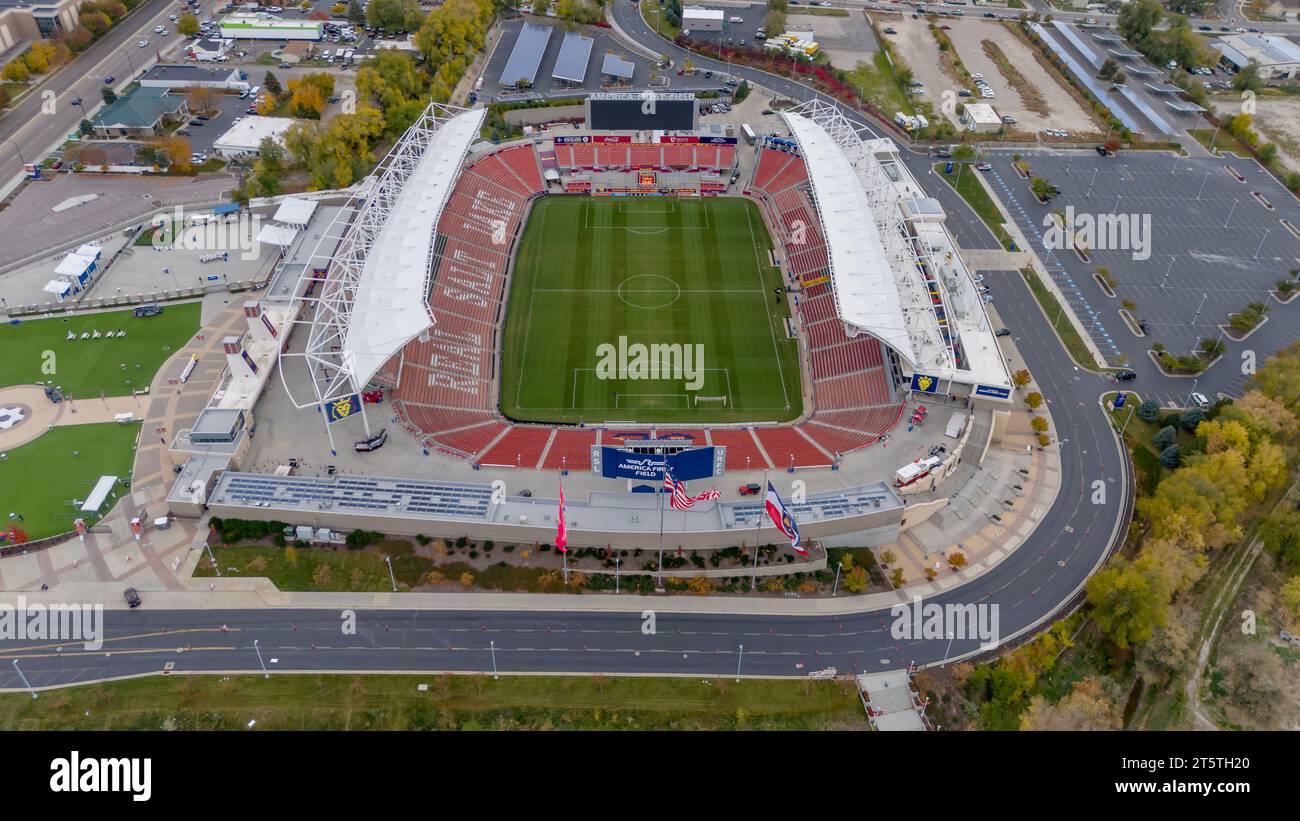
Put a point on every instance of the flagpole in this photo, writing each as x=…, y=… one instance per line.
x=758, y=526
x=661, y=529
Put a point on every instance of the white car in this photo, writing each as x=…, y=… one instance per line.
x=978, y=277
x=173, y=18
x=1200, y=400
x=142, y=43
x=158, y=29
x=977, y=76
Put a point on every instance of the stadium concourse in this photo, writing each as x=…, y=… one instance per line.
x=862, y=325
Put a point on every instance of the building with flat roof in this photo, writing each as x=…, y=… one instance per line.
x=526, y=56
x=142, y=112
x=206, y=50
x=188, y=76
x=1277, y=56
x=244, y=138
x=980, y=117
x=269, y=27
x=22, y=23
x=696, y=18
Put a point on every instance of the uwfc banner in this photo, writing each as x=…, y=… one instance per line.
x=342, y=408
x=924, y=383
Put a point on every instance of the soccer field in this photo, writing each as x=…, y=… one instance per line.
x=647, y=310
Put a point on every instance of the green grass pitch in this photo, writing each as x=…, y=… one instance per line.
x=85, y=367
x=656, y=271
x=41, y=478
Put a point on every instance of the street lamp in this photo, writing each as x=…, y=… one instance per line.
x=14, y=143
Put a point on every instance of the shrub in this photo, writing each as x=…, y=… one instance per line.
x=1149, y=411
x=1171, y=457
x=1192, y=418
x=1166, y=436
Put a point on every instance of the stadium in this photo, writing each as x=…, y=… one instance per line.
x=480, y=304
x=602, y=303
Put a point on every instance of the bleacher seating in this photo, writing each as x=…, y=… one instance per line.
x=446, y=391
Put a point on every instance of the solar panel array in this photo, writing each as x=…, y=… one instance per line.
x=355, y=493
x=853, y=502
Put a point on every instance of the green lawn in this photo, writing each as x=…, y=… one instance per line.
x=462, y=702
x=41, y=478
x=628, y=273
x=1222, y=141
x=971, y=190
x=86, y=367
x=878, y=84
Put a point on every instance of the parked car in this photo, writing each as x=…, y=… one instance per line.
x=182, y=133
x=1002, y=332
x=1200, y=400
x=132, y=597
x=751, y=489
x=1126, y=376
x=983, y=166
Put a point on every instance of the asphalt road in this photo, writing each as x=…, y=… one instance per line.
x=31, y=129
x=1028, y=586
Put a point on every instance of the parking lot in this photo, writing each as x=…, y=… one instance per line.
x=1213, y=247
x=229, y=106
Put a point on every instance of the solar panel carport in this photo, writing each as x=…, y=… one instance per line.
x=526, y=56
x=575, y=53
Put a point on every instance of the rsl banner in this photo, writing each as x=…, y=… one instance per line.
x=925, y=383
x=340, y=409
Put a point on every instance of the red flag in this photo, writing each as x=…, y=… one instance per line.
x=561, y=529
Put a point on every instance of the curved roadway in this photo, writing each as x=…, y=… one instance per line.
x=1029, y=586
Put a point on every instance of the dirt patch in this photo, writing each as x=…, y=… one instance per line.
x=916, y=47
x=1278, y=121
x=1030, y=96
x=1033, y=93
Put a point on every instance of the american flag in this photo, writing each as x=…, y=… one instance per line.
x=680, y=500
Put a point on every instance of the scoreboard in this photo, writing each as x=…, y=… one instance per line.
x=642, y=111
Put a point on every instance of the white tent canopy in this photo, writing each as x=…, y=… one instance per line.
x=389, y=308
x=295, y=211
x=58, y=287
x=862, y=278
x=277, y=235
x=74, y=265
x=88, y=250
x=97, y=496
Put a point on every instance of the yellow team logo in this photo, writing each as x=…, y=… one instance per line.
x=924, y=382
x=341, y=408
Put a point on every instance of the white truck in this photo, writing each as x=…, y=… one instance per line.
x=915, y=471
x=956, y=423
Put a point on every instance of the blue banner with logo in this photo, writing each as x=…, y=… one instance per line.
x=339, y=409
x=925, y=383
x=992, y=391
x=616, y=463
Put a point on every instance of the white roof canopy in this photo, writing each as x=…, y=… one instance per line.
x=277, y=235
x=389, y=308
x=74, y=265
x=97, y=496
x=862, y=278
x=59, y=287
x=295, y=211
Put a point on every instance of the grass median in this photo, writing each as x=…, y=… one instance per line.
x=968, y=186
x=461, y=702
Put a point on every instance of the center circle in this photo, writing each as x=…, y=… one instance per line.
x=649, y=291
